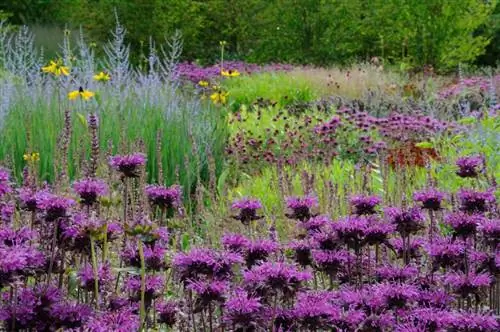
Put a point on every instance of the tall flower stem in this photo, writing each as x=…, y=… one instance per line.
x=95, y=271
x=142, y=309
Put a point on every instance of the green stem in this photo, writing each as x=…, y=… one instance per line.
x=143, y=284
x=95, y=270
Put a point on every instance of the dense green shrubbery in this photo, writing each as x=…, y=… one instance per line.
x=440, y=32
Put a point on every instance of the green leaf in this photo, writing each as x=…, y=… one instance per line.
x=82, y=119
x=222, y=181
x=185, y=243
x=468, y=120
x=424, y=145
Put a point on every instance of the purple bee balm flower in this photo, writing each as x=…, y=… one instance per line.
x=272, y=278
x=464, y=225
x=301, y=207
x=11, y=237
x=5, y=186
x=248, y=210
x=154, y=287
x=351, y=230
x=468, y=167
x=302, y=252
x=446, y=253
x=208, y=292
x=396, y=295
x=434, y=298
x=365, y=205
x=475, y=201
x=154, y=256
x=70, y=315
x=396, y=273
x=90, y=190
x=406, y=221
x=414, y=247
x=331, y=261
x=19, y=260
x=242, y=312
x=124, y=320
x=7, y=210
x=201, y=262
x=55, y=207
x=377, y=232
x=314, y=224
x=472, y=322
x=28, y=198
x=128, y=165
x=466, y=284
x=259, y=251
x=314, y=311
x=490, y=228
x=234, y=242
x=431, y=199
x=87, y=280
x=166, y=312
x=164, y=197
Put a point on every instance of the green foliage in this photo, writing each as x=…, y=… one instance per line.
x=280, y=88
x=442, y=33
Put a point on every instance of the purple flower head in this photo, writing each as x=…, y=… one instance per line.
x=313, y=311
x=446, y=253
x=248, y=209
x=406, y=221
x=11, y=237
x=434, y=298
x=351, y=230
x=28, y=198
x=490, y=228
x=242, y=311
x=234, y=242
x=414, y=247
x=204, y=263
x=365, y=205
x=167, y=312
x=128, y=165
x=164, y=197
x=90, y=190
x=259, y=251
x=468, y=167
x=70, y=315
x=7, y=210
x=272, y=278
x=314, y=224
x=301, y=207
x=466, y=284
x=124, y=320
x=472, y=322
x=208, y=292
x=464, y=225
x=327, y=238
x=154, y=256
x=154, y=287
x=302, y=252
x=396, y=274
x=19, y=260
x=396, y=295
x=475, y=201
x=5, y=186
x=87, y=280
x=377, y=232
x=330, y=261
x=431, y=199
x=55, y=207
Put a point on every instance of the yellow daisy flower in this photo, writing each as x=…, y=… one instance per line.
x=85, y=94
x=230, y=73
x=219, y=97
x=56, y=68
x=102, y=77
x=31, y=157
x=203, y=84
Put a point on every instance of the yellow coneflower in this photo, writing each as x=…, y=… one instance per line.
x=56, y=68
x=230, y=73
x=31, y=157
x=102, y=77
x=219, y=97
x=85, y=94
x=203, y=84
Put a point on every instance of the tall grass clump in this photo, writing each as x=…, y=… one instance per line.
x=143, y=110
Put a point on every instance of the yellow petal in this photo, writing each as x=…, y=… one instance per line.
x=64, y=70
x=86, y=94
x=73, y=95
